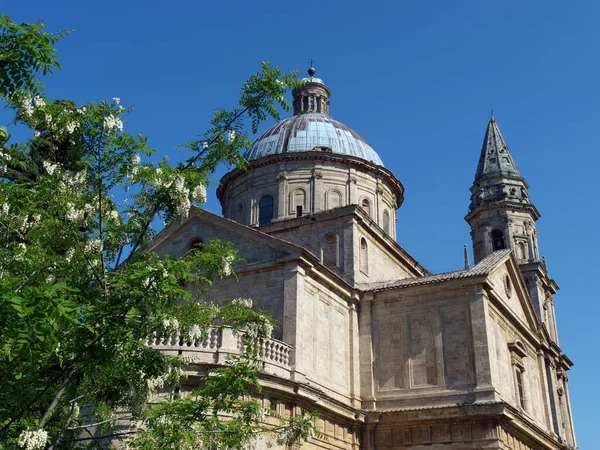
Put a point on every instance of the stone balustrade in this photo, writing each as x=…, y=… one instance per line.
x=218, y=345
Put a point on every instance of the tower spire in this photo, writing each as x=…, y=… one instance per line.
x=495, y=158
x=501, y=213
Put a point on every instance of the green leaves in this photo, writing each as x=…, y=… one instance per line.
x=26, y=51
x=76, y=200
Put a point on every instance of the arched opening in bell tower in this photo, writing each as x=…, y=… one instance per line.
x=498, y=240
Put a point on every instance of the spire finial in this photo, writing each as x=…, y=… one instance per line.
x=492, y=118
x=467, y=263
x=311, y=69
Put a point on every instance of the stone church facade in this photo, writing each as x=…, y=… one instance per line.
x=391, y=355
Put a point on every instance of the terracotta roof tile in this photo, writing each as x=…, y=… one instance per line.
x=482, y=268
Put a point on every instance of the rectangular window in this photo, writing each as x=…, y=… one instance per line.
x=299, y=211
x=520, y=388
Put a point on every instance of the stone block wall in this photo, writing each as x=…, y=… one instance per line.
x=422, y=350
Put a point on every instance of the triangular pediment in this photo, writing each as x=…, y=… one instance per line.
x=253, y=246
x=508, y=289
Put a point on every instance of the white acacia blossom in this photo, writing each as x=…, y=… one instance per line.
x=117, y=100
x=226, y=263
x=94, y=245
x=243, y=302
x=49, y=167
x=69, y=255
x=33, y=439
x=231, y=135
x=135, y=159
x=111, y=122
x=171, y=326
x=194, y=333
x=27, y=106
x=38, y=101
x=73, y=179
x=4, y=208
x=113, y=215
x=70, y=127
x=199, y=194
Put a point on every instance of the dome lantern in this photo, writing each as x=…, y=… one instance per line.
x=312, y=96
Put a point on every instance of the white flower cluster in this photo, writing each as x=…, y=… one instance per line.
x=181, y=196
x=49, y=167
x=81, y=110
x=231, y=135
x=73, y=179
x=261, y=329
x=20, y=252
x=33, y=439
x=170, y=327
x=78, y=215
x=4, y=209
x=117, y=100
x=199, y=194
x=242, y=302
x=27, y=106
x=194, y=333
x=135, y=159
x=38, y=101
x=94, y=245
x=170, y=374
x=226, y=265
x=71, y=126
x=4, y=156
x=113, y=215
x=111, y=122
x=69, y=255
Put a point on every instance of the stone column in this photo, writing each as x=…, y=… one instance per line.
x=293, y=287
x=552, y=394
x=316, y=194
x=366, y=334
x=483, y=374
x=282, y=195
x=568, y=413
x=354, y=337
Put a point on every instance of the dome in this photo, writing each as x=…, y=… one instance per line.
x=312, y=128
x=304, y=132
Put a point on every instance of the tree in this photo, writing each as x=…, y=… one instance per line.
x=76, y=200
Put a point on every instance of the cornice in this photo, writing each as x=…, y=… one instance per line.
x=358, y=163
x=503, y=205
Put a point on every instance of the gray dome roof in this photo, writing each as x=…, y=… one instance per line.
x=304, y=132
x=312, y=128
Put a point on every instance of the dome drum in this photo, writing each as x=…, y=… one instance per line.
x=286, y=186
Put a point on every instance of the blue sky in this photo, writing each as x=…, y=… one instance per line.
x=416, y=79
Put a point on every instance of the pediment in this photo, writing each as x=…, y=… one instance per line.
x=254, y=246
x=508, y=288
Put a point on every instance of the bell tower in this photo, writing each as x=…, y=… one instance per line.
x=501, y=213
x=502, y=216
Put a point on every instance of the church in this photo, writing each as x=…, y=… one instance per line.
x=391, y=355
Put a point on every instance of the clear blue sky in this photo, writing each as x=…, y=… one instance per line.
x=416, y=79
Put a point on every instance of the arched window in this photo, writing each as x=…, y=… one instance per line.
x=364, y=256
x=330, y=250
x=265, y=210
x=498, y=240
x=366, y=206
x=386, y=222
